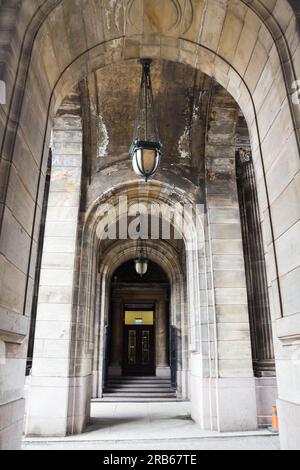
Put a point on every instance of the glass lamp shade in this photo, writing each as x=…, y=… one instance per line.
x=141, y=266
x=145, y=158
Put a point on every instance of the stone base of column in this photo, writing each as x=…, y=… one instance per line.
x=11, y=425
x=58, y=407
x=97, y=384
x=163, y=371
x=79, y=406
x=289, y=425
x=224, y=404
x=237, y=405
x=183, y=384
x=201, y=407
x=202, y=393
x=266, y=394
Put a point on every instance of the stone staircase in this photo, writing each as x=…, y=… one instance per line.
x=139, y=389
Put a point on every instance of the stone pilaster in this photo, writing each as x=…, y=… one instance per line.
x=53, y=381
x=162, y=365
x=115, y=366
x=234, y=381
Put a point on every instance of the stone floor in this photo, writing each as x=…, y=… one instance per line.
x=151, y=426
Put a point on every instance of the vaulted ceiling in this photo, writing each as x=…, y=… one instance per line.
x=181, y=97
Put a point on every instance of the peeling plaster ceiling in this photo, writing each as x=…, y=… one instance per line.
x=109, y=107
x=181, y=109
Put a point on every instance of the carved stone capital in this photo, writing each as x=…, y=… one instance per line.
x=244, y=156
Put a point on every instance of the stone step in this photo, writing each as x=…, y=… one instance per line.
x=138, y=390
x=112, y=399
x=139, y=384
x=145, y=387
x=139, y=380
x=146, y=379
x=139, y=395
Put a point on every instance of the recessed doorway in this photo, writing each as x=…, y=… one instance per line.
x=139, y=343
x=138, y=348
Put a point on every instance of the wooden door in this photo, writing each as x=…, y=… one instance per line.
x=139, y=349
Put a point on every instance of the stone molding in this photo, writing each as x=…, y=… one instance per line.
x=14, y=327
x=288, y=330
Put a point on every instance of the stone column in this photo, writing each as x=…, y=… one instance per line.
x=115, y=365
x=234, y=379
x=97, y=371
x=50, y=412
x=257, y=286
x=162, y=365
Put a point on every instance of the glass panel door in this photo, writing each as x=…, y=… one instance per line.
x=139, y=343
x=145, y=347
x=132, y=347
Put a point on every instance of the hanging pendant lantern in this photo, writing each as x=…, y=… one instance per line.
x=141, y=263
x=141, y=266
x=146, y=148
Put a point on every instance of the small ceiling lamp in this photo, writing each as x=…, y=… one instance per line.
x=146, y=148
x=141, y=262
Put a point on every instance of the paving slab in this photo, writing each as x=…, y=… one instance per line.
x=151, y=426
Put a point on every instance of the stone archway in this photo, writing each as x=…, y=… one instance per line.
x=163, y=254
x=208, y=390
x=166, y=257
x=197, y=55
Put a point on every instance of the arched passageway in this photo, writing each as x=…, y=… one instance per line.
x=139, y=322
x=252, y=50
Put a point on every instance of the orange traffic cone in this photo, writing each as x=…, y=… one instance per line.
x=275, y=422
